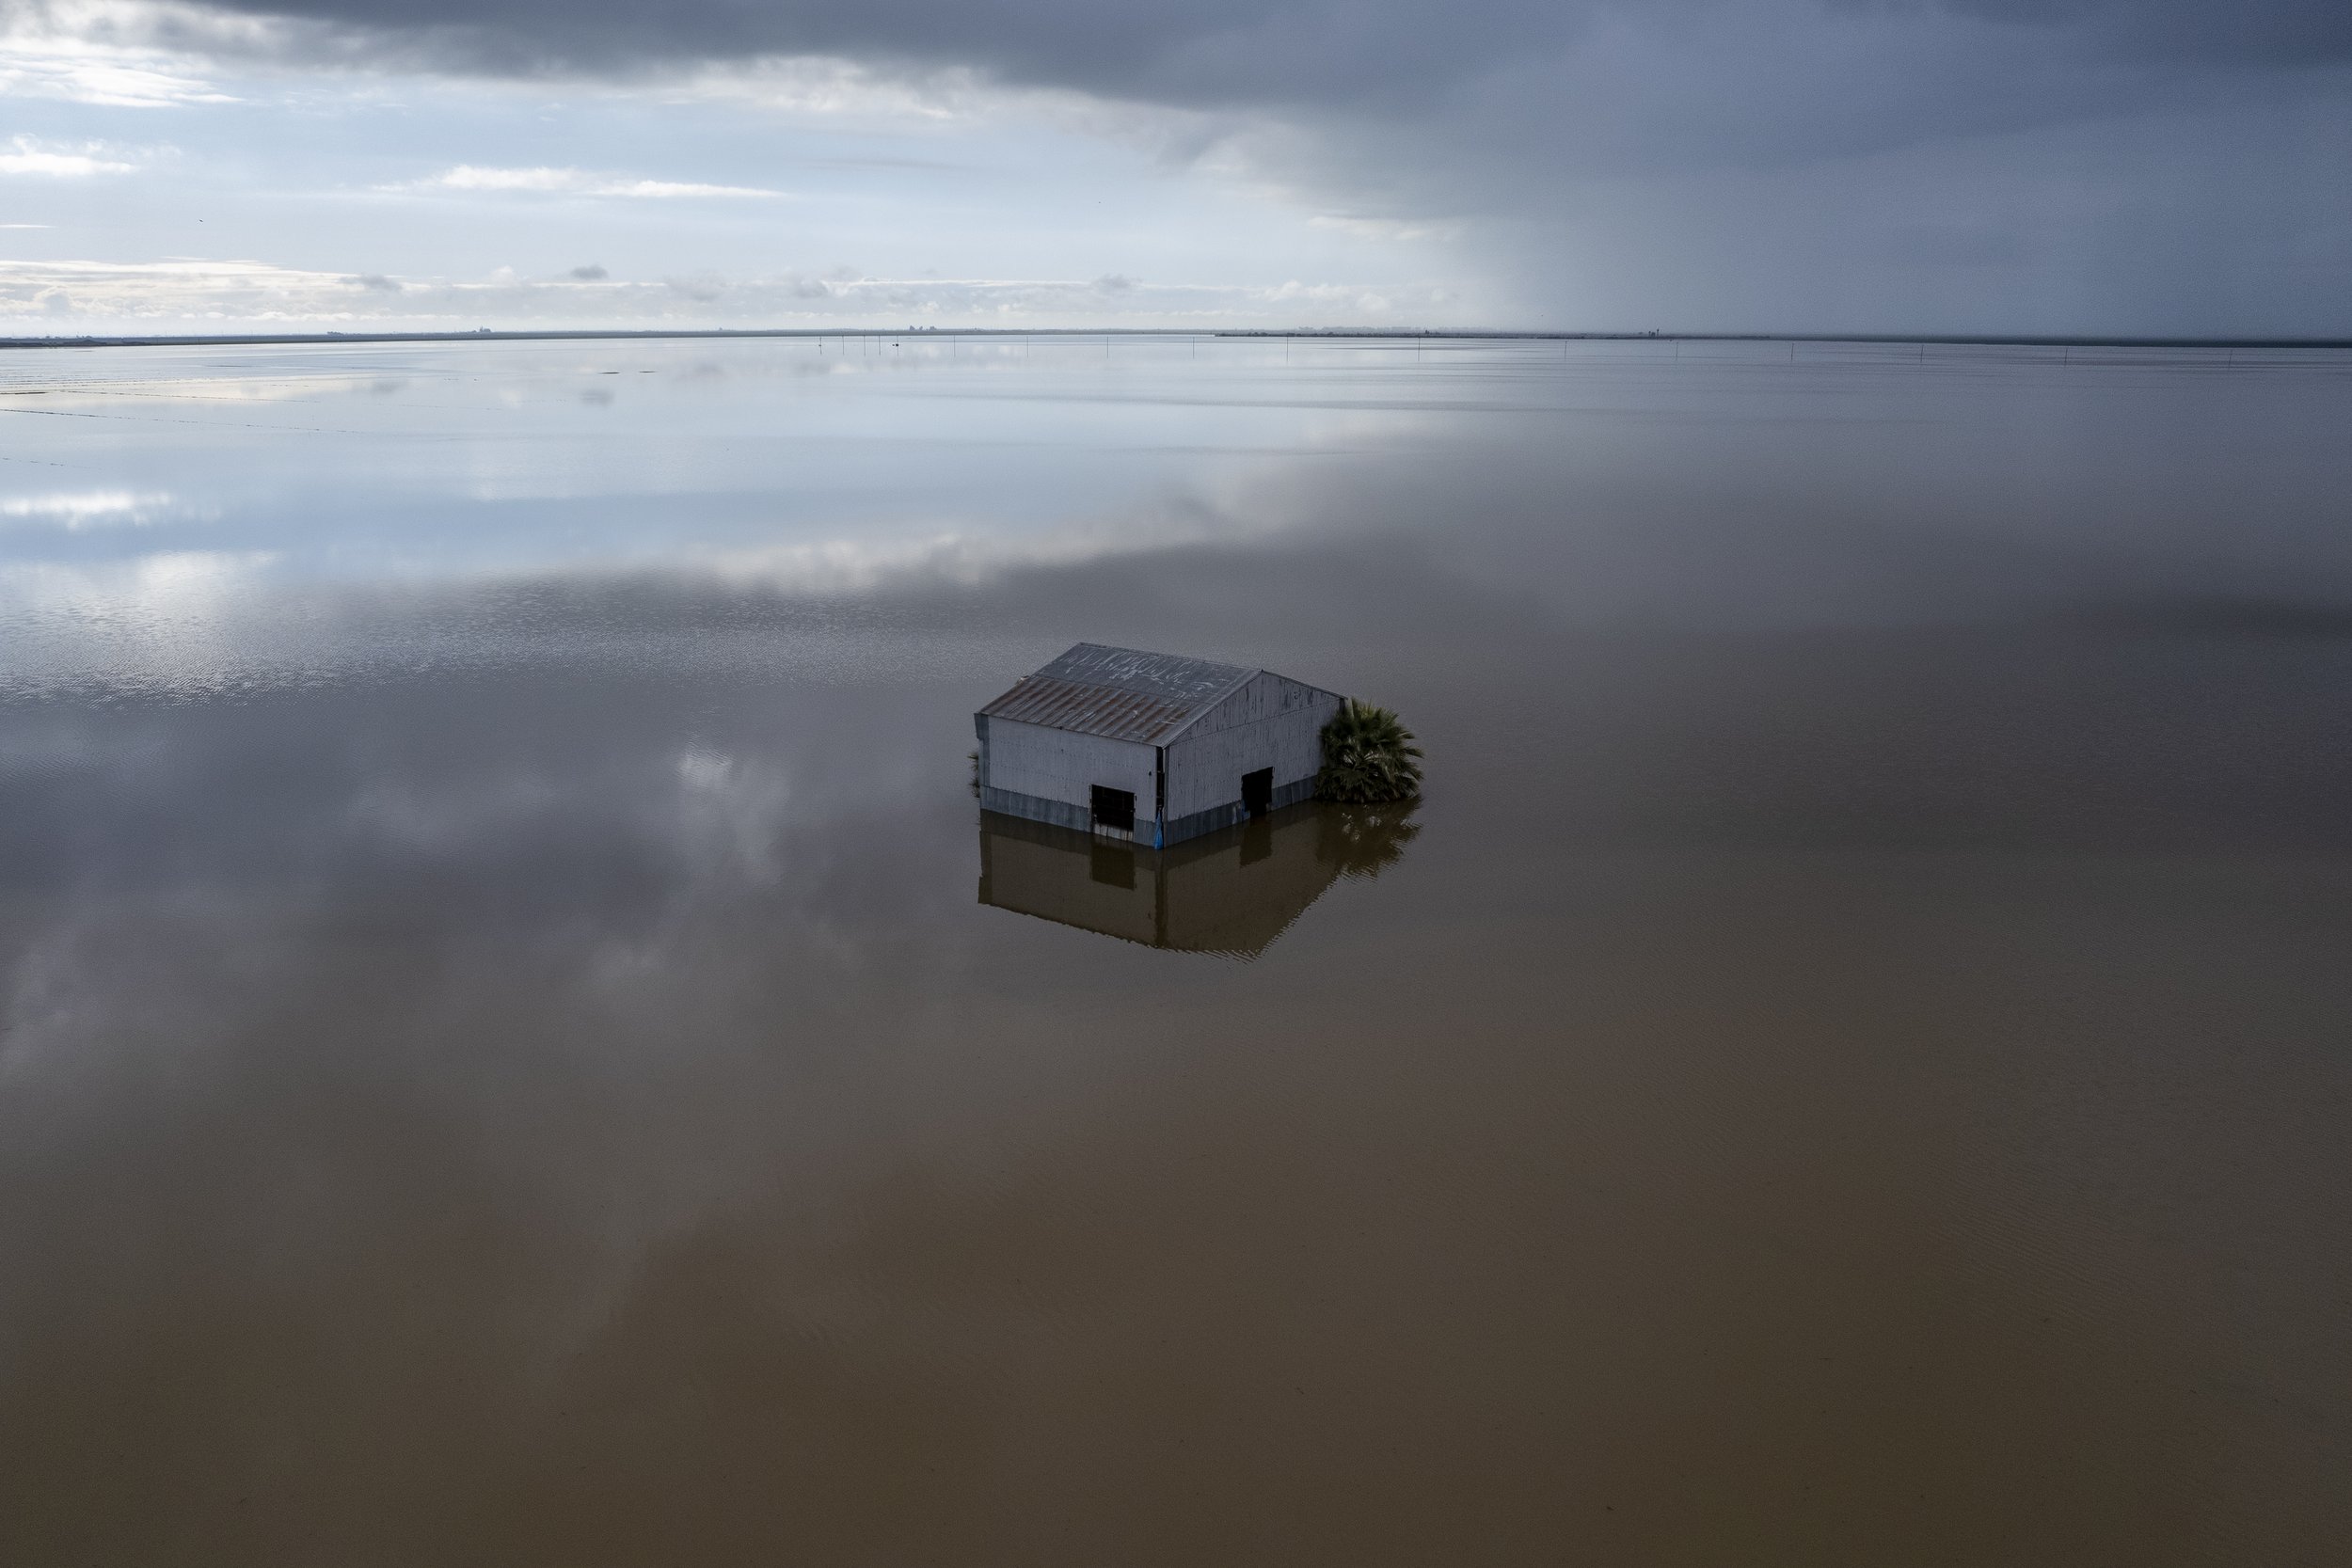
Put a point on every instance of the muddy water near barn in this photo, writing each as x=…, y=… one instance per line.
x=519, y=1048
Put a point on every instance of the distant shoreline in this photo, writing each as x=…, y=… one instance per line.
x=1326, y=334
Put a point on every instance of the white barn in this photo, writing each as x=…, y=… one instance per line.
x=1149, y=747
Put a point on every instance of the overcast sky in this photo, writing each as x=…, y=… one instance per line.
x=2143, y=166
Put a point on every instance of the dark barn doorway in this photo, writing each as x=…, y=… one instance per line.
x=1115, y=809
x=1257, y=791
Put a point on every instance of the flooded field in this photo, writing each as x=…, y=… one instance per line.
x=518, y=1045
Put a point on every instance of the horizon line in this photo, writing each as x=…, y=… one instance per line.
x=1372, y=334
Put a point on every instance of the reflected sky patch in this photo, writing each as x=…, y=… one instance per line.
x=1849, y=1056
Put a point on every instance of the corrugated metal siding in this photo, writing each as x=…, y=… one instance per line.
x=1063, y=766
x=1207, y=762
x=1037, y=808
x=1266, y=695
x=1095, y=715
x=1182, y=830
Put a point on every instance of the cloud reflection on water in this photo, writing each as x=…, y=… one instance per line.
x=1849, y=1064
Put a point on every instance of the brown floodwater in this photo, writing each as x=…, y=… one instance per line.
x=517, y=1046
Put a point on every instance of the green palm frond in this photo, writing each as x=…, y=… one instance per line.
x=1368, y=756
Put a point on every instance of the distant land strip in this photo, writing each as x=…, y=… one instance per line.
x=487, y=335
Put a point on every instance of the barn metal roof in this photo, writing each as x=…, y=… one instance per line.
x=1120, y=693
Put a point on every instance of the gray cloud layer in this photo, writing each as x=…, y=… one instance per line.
x=2130, y=166
x=1257, y=52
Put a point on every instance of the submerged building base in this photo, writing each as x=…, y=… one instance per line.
x=1061, y=814
x=1233, y=812
x=1037, y=808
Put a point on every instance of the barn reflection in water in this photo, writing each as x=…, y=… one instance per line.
x=1230, y=892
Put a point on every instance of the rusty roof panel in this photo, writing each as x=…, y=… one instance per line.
x=1108, y=711
x=1120, y=693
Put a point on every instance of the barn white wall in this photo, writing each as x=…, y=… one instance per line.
x=1265, y=695
x=1270, y=723
x=1062, y=765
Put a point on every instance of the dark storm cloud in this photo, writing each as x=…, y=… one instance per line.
x=1240, y=52
x=1426, y=109
x=2137, y=166
x=1207, y=52
x=2285, y=31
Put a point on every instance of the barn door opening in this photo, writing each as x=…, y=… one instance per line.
x=1115, y=810
x=1257, y=791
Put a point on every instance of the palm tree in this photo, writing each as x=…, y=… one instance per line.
x=1368, y=756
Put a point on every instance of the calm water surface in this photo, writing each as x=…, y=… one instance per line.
x=517, y=1046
